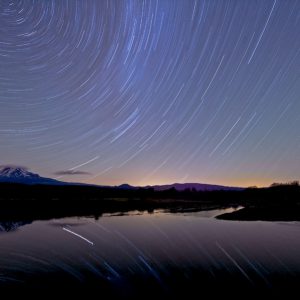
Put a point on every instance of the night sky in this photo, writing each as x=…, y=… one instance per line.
x=151, y=92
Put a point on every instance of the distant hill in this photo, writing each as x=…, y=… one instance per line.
x=126, y=186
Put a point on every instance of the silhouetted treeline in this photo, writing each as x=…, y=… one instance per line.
x=12, y=191
x=48, y=201
x=51, y=201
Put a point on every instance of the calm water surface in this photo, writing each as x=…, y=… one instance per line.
x=159, y=252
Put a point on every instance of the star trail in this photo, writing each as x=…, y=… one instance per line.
x=151, y=91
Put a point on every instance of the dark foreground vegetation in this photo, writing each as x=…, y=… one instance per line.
x=31, y=202
x=279, y=202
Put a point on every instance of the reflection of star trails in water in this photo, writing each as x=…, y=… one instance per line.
x=80, y=236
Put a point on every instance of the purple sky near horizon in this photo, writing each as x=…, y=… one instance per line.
x=151, y=92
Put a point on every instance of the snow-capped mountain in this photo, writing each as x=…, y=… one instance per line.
x=17, y=172
x=22, y=175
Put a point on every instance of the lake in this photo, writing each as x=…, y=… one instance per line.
x=159, y=253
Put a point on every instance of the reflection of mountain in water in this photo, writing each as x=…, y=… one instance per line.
x=12, y=225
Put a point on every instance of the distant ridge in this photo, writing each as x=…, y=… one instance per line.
x=22, y=175
x=195, y=186
x=182, y=187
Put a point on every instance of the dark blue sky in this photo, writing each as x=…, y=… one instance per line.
x=151, y=92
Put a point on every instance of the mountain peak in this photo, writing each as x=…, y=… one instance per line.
x=19, y=174
x=16, y=172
